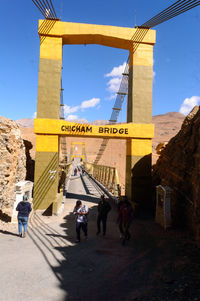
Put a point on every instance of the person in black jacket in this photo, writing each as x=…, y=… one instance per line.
x=24, y=209
x=103, y=209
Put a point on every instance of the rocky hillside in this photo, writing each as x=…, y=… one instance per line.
x=12, y=163
x=179, y=167
x=166, y=127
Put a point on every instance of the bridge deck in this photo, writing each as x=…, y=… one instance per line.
x=48, y=265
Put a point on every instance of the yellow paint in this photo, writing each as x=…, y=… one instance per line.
x=142, y=56
x=138, y=147
x=78, y=33
x=51, y=48
x=47, y=143
x=54, y=126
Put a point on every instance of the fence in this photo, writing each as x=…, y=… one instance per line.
x=106, y=175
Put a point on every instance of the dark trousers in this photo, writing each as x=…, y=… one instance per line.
x=101, y=219
x=78, y=229
x=124, y=229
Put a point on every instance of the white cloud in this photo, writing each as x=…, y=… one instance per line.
x=69, y=110
x=35, y=115
x=112, y=96
x=90, y=103
x=188, y=104
x=113, y=84
x=84, y=105
x=117, y=71
x=71, y=117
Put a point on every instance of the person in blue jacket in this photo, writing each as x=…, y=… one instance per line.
x=24, y=209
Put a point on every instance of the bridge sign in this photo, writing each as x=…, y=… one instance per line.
x=122, y=131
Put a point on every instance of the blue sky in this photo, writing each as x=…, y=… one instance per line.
x=88, y=92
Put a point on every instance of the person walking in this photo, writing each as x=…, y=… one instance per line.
x=103, y=209
x=81, y=212
x=119, y=218
x=24, y=209
x=124, y=219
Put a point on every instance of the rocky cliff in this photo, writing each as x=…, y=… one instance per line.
x=12, y=163
x=179, y=167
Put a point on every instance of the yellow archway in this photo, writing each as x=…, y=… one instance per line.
x=53, y=35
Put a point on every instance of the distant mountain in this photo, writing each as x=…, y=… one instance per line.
x=166, y=127
x=29, y=122
x=25, y=122
x=169, y=116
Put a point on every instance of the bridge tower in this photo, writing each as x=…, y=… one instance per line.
x=139, y=42
x=72, y=155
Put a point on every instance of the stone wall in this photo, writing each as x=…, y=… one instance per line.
x=12, y=163
x=179, y=168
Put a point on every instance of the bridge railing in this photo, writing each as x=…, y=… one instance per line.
x=106, y=175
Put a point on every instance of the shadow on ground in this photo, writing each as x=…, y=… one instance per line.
x=8, y=233
x=154, y=265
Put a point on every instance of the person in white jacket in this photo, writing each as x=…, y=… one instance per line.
x=81, y=212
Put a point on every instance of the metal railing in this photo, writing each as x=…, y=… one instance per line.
x=106, y=175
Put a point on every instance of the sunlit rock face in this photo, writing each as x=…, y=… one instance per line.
x=12, y=163
x=179, y=168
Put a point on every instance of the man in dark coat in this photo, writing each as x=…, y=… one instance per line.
x=103, y=209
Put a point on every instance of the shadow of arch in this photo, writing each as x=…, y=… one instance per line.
x=142, y=183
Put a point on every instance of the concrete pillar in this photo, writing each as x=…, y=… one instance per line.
x=22, y=188
x=48, y=106
x=139, y=110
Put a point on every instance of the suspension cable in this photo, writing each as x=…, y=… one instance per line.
x=172, y=11
x=165, y=11
x=39, y=7
x=46, y=8
x=53, y=8
x=178, y=13
x=49, y=10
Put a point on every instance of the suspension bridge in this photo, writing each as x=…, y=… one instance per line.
x=48, y=264
x=50, y=126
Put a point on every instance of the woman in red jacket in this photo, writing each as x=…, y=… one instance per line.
x=125, y=217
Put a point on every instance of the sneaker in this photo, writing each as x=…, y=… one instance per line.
x=24, y=235
x=20, y=235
